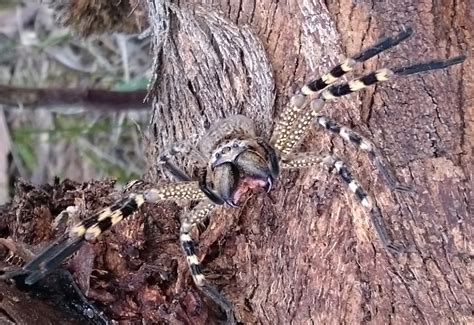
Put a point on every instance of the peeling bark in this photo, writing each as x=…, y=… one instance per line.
x=306, y=254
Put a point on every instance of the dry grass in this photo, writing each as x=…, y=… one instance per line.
x=36, y=52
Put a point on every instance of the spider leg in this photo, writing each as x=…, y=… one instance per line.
x=387, y=74
x=286, y=142
x=303, y=160
x=299, y=101
x=90, y=228
x=364, y=144
x=188, y=222
x=348, y=65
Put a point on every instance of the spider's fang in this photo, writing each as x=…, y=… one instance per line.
x=269, y=185
x=232, y=204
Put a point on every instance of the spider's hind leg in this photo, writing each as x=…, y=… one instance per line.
x=303, y=160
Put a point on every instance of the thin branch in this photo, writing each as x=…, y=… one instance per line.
x=61, y=99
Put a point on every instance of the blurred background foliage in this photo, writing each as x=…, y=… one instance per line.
x=39, y=145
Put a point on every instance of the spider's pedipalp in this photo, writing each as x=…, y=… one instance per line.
x=272, y=158
x=179, y=149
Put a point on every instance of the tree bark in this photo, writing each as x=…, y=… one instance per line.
x=307, y=253
x=310, y=254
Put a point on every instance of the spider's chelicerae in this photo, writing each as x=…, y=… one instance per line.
x=235, y=160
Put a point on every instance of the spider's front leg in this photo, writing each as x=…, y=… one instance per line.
x=285, y=127
x=196, y=216
x=307, y=104
x=304, y=160
x=90, y=228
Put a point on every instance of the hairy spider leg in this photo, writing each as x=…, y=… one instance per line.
x=299, y=101
x=363, y=144
x=303, y=160
x=301, y=124
x=348, y=65
x=196, y=216
x=387, y=74
x=90, y=228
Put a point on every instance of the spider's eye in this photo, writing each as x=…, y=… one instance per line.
x=235, y=145
x=225, y=149
x=218, y=155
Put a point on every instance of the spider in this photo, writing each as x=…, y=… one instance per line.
x=235, y=160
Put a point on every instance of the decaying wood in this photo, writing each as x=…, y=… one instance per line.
x=14, y=304
x=307, y=254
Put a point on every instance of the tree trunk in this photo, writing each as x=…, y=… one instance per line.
x=307, y=253
x=310, y=253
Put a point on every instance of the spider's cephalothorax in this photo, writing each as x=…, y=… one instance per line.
x=237, y=166
x=234, y=160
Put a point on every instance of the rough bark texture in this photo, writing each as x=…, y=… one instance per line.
x=311, y=256
x=307, y=254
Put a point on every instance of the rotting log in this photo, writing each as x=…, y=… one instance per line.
x=307, y=253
